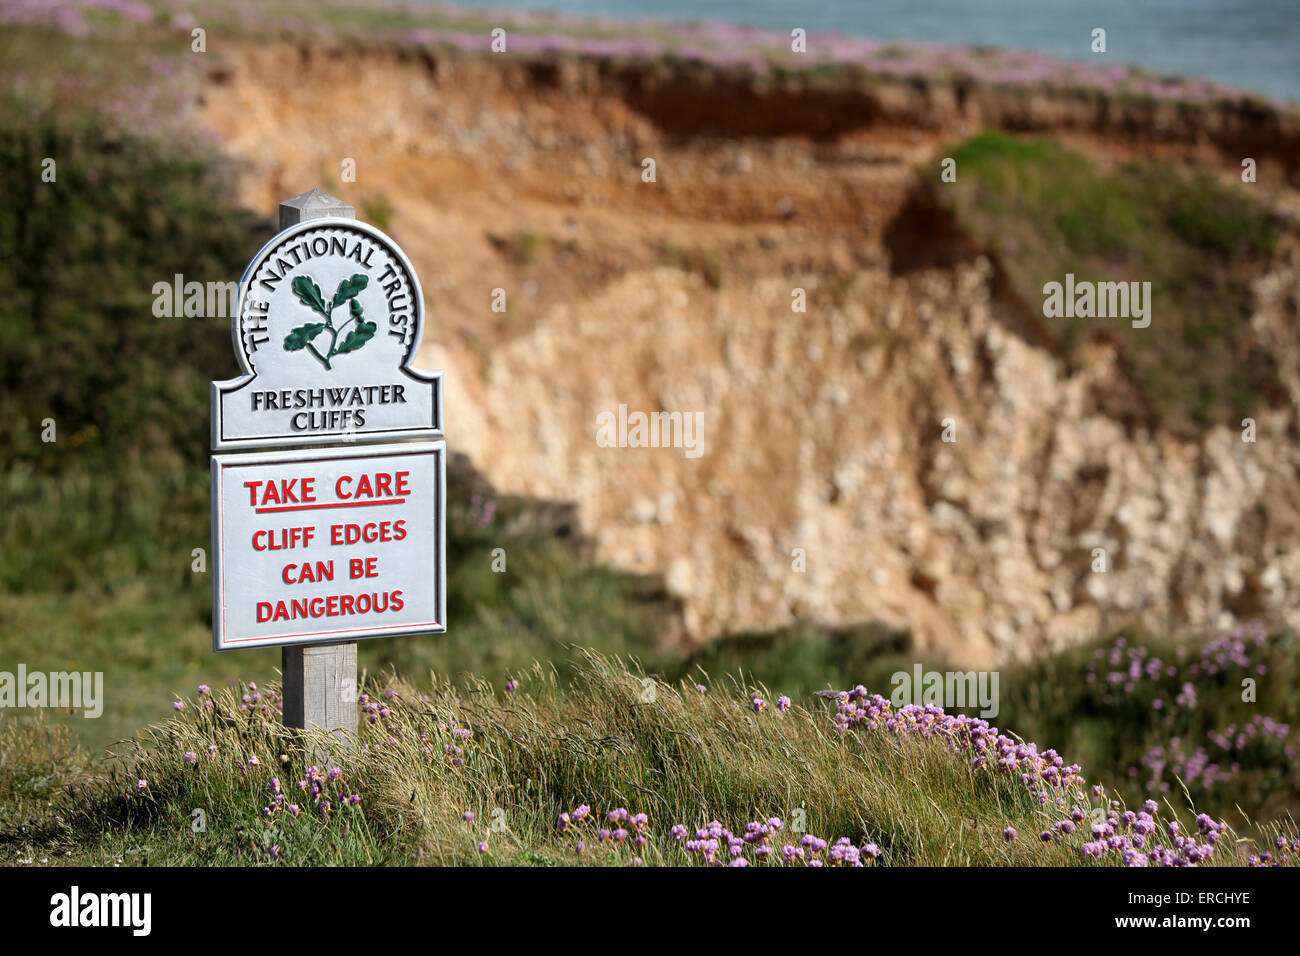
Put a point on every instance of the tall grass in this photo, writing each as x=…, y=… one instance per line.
x=442, y=775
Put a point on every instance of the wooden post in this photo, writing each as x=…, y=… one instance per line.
x=320, y=680
x=320, y=686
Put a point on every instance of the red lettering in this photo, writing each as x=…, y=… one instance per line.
x=281, y=491
x=363, y=568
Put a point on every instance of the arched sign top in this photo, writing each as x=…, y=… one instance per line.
x=329, y=319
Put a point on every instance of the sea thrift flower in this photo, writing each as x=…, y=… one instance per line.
x=191, y=756
x=204, y=690
x=1009, y=834
x=483, y=847
x=468, y=816
x=783, y=704
x=178, y=705
x=512, y=685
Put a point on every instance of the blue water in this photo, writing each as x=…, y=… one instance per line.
x=1247, y=44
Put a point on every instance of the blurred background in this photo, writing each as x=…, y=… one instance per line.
x=1248, y=45
x=690, y=209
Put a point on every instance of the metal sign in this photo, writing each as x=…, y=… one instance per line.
x=329, y=318
x=333, y=545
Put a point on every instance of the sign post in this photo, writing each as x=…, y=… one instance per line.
x=319, y=547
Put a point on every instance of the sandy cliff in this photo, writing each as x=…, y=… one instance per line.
x=821, y=431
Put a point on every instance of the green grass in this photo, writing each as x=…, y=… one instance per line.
x=100, y=523
x=1052, y=700
x=1045, y=211
x=1113, y=727
x=802, y=660
x=612, y=738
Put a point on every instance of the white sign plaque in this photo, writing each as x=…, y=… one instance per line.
x=330, y=316
x=315, y=547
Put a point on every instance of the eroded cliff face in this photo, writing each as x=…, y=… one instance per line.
x=820, y=432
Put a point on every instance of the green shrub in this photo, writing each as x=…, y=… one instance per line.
x=1044, y=211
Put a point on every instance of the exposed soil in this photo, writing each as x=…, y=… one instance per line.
x=821, y=430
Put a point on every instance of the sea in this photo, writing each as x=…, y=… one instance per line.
x=1249, y=45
